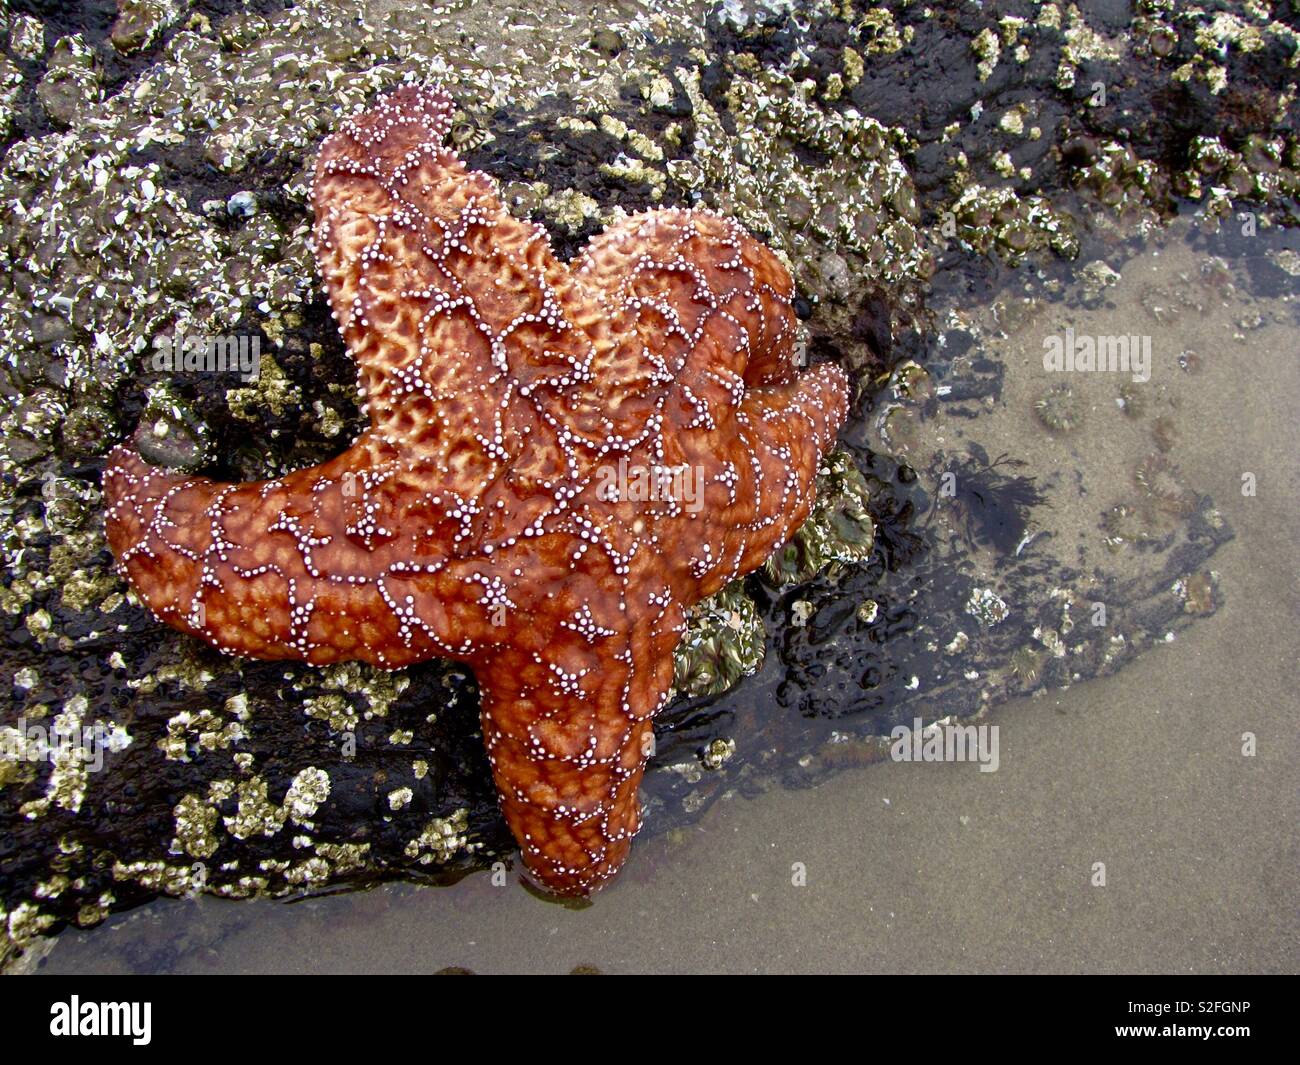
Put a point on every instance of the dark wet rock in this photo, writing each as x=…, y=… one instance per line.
x=608, y=42
x=71, y=82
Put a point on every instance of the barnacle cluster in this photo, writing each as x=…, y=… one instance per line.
x=1015, y=225
x=828, y=185
x=1264, y=169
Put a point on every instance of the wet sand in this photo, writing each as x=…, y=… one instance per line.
x=933, y=867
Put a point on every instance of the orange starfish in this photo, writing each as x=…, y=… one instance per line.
x=561, y=459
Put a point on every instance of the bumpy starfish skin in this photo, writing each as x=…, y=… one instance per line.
x=476, y=518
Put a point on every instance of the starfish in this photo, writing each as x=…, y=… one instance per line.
x=561, y=459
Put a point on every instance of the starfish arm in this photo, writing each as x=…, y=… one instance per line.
x=454, y=310
x=313, y=565
x=788, y=428
x=567, y=702
x=707, y=306
x=711, y=308
x=756, y=478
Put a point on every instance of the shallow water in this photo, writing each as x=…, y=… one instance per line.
x=932, y=866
